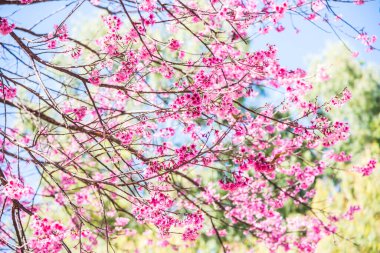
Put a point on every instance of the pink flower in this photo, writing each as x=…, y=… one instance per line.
x=280, y=28
x=7, y=92
x=317, y=5
x=323, y=75
x=6, y=28
x=148, y=5
x=126, y=137
x=94, y=77
x=190, y=234
x=233, y=183
x=52, y=44
x=351, y=211
x=113, y=23
x=368, y=169
x=355, y=54
x=78, y=113
x=47, y=235
x=95, y=2
x=61, y=32
x=341, y=99
x=76, y=53
x=359, y=2
x=15, y=189
x=174, y=45
x=121, y=221
x=341, y=157
x=366, y=39
x=26, y=1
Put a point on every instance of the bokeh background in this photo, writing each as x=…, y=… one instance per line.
x=312, y=48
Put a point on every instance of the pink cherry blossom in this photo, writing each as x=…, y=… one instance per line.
x=367, y=169
x=5, y=27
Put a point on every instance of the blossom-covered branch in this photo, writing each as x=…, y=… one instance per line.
x=158, y=121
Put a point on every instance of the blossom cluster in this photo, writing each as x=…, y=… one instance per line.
x=5, y=27
x=15, y=189
x=367, y=169
x=47, y=235
x=7, y=92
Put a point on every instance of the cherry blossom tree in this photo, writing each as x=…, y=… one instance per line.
x=158, y=122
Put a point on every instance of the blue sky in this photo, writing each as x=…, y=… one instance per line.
x=295, y=49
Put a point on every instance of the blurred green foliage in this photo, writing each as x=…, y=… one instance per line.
x=363, y=114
